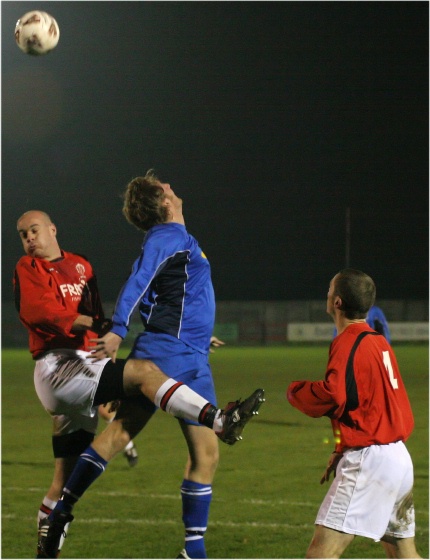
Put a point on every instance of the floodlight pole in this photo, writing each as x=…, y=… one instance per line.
x=347, y=236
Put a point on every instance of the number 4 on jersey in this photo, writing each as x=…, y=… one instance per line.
x=389, y=367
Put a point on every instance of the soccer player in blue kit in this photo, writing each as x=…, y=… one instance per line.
x=170, y=284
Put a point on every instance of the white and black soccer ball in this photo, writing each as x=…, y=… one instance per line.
x=37, y=33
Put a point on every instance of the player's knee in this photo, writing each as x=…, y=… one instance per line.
x=205, y=459
x=207, y=462
x=136, y=372
x=142, y=376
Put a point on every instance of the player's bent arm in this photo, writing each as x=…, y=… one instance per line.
x=313, y=398
x=82, y=323
x=38, y=304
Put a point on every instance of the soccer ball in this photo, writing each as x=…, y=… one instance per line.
x=36, y=33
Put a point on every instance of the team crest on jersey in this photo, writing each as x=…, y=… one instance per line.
x=80, y=268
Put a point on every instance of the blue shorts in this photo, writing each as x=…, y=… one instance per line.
x=177, y=360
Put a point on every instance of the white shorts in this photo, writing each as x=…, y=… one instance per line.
x=67, y=424
x=66, y=382
x=371, y=495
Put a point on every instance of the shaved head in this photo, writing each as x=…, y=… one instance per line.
x=38, y=214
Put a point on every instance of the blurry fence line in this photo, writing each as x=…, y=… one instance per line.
x=251, y=322
x=268, y=322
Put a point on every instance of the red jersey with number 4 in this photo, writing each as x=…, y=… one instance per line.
x=49, y=295
x=363, y=393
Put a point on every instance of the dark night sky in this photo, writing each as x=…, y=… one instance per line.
x=268, y=119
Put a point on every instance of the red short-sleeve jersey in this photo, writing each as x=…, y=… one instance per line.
x=363, y=394
x=49, y=295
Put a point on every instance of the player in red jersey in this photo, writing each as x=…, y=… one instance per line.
x=49, y=283
x=364, y=396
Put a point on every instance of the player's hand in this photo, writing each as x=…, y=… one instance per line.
x=113, y=406
x=331, y=466
x=215, y=343
x=105, y=347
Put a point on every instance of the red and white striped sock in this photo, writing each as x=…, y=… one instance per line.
x=180, y=401
x=45, y=509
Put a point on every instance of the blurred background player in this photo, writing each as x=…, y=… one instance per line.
x=364, y=396
x=378, y=322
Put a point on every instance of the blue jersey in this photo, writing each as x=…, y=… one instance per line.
x=171, y=285
x=377, y=321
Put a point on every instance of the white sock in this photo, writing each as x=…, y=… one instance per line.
x=48, y=504
x=179, y=400
x=129, y=445
x=218, y=423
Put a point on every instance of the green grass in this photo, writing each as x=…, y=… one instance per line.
x=266, y=491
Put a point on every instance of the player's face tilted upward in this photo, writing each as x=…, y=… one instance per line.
x=171, y=197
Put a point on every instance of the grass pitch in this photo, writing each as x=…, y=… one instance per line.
x=266, y=491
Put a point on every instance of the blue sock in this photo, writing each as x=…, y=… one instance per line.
x=196, y=500
x=88, y=468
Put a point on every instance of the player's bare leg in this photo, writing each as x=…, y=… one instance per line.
x=176, y=398
x=399, y=548
x=203, y=453
x=143, y=376
x=328, y=543
x=180, y=401
x=129, y=420
x=63, y=466
x=108, y=412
